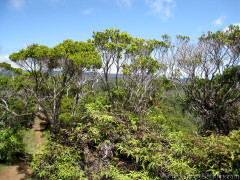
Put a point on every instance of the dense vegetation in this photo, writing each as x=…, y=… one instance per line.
x=171, y=108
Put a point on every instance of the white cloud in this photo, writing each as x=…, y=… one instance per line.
x=6, y=59
x=87, y=11
x=16, y=4
x=235, y=24
x=126, y=3
x=162, y=8
x=219, y=21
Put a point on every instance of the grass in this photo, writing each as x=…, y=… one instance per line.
x=3, y=166
x=29, y=140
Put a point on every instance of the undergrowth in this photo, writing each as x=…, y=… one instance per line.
x=118, y=144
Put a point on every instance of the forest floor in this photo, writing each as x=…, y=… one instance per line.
x=21, y=170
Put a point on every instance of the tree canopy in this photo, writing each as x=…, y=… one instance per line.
x=122, y=107
x=53, y=70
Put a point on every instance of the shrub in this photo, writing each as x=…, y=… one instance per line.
x=11, y=145
x=56, y=161
x=216, y=154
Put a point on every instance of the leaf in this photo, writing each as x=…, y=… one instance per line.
x=137, y=159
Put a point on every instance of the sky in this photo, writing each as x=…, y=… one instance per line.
x=49, y=22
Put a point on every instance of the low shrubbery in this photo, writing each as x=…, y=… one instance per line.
x=215, y=154
x=11, y=145
x=55, y=161
x=122, y=145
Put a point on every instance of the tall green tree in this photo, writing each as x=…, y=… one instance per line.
x=142, y=71
x=136, y=60
x=112, y=46
x=15, y=107
x=209, y=75
x=52, y=70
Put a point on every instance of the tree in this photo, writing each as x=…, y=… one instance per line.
x=209, y=76
x=142, y=72
x=139, y=79
x=15, y=107
x=112, y=46
x=50, y=71
x=134, y=57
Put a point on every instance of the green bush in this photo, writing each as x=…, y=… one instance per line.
x=215, y=154
x=144, y=147
x=114, y=173
x=11, y=145
x=55, y=161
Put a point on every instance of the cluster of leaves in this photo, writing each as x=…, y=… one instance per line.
x=11, y=145
x=134, y=58
x=15, y=113
x=136, y=143
x=215, y=154
x=6, y=69
x=114, y=173
x=70, y=59
x=124, y=132
x=15, y=107
x=208, y=73
x=137, y=79
x=140, y=147
x=216, y=100
x=176, y=116
x=55, y=161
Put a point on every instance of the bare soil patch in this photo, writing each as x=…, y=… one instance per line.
x=18, y=171
x=22, y=170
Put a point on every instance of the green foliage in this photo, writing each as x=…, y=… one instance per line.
x=55, y=161
x=140, y=139
x=214, y=100
x=83, y=54
x=98, y=122
x=138, y=128
x=70, y=59
x=139, y=82
x=145, y=147
x=176, y=116
x=11, y=145
x=7, y=67
x=209, y=76
x=142, y=64
x=65, y=119
x=111, y=39
x=229, y=79
x=66, y=107
x=183, y=38
x=116, y=174
x=215, y=154
x=28, y=138
x=13, y=104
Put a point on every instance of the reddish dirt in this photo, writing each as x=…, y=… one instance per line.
x=38, y=138
x=38, y=132
x=22, y=170
x=19, y=171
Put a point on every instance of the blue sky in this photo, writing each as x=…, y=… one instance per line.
x=49, y=22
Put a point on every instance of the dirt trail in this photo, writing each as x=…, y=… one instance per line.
x=22, y=170
x=39, y=127
x=17, y=172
